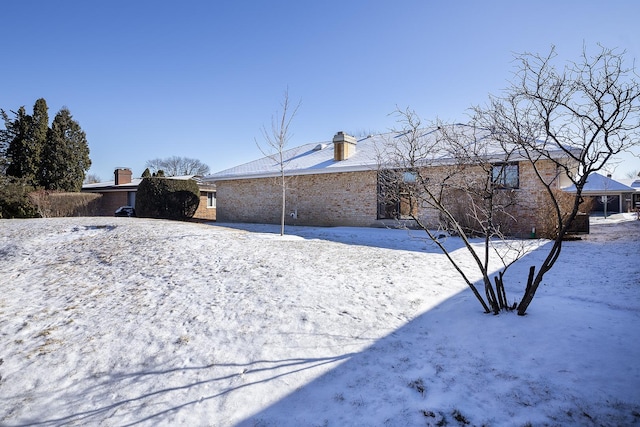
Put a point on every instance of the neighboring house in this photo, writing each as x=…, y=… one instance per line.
x=207, y=207
x=119, y=192
x=122, y=192
x=337, y=184
x=634, y=183
x=619, y=197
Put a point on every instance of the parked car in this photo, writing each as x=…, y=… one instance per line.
x=125, y=211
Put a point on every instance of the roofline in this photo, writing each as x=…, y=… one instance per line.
x=361, y=168
x=112, y=189
x=290, y=173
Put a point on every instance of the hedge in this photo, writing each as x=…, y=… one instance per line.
x=167, y=198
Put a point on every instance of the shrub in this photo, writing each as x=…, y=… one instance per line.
x=167, y=198
x=547, y=217
x=14, y=199
x=51, y=204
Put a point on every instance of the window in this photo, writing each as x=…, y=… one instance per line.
x=409, y=177
x=505, y=175
x=211, y=200
x=396, y=198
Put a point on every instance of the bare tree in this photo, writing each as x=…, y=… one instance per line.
x=447, y=180
x=277, y=138
x=91, y=178
x=178, y=166
x=565, y=124
x=589, y=109
x=633, y=174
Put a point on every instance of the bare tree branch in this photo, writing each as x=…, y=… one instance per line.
x=588, y=109
x=277, y=139
x=178, y=166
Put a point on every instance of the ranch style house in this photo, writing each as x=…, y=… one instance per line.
x=337, y=183
x=122, y=192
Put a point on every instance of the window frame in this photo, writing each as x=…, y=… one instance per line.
x=505, y=179
x=211, y=199
x=396, y=201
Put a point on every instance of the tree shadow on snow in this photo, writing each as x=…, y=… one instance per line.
x=450, y=365
x=453, y=365
x=384, y=238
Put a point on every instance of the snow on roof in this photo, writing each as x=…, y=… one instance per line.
x=597, y=183
x=633, y=183
x=316, y=158
x=111, y=185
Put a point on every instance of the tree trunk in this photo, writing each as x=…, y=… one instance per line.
x=284, y=198
x=528, y=293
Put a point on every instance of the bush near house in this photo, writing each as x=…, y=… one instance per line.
x=20, y=200
x=14, y=199
x=167, y=198
x=55, y=204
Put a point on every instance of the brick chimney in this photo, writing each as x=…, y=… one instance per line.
x=122, y=176
x=344, y=146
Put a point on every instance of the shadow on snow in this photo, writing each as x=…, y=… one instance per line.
x=448, y=365
x=384, y=238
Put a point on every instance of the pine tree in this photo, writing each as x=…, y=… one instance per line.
x=65, y=155
x=39, y=127
x=26, y=138
x=20, y=163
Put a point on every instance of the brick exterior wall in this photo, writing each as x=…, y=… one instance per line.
x=533, y=208
x=204, y=212
x=112, y=201
x=337, y=199
x=350, y=199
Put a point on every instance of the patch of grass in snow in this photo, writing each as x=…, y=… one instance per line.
x=183, y=340
x=46, y=332
x=457, y=415
x=440, y=419
x=47, y=347
x=418, y=385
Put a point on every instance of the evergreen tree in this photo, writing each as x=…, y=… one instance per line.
x=39, y=127
x=5, y=137
x=168, y=198
x=19, y=161
x=26, y=136
x=66, y=154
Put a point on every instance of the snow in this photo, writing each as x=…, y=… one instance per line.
x=127, y=321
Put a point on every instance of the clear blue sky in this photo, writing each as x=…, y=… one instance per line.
x=152, y=79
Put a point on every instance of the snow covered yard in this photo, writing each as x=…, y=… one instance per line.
x=118, y=321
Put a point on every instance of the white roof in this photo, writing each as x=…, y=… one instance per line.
x=318, y=157
x=598, y=184
x=111, y=185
